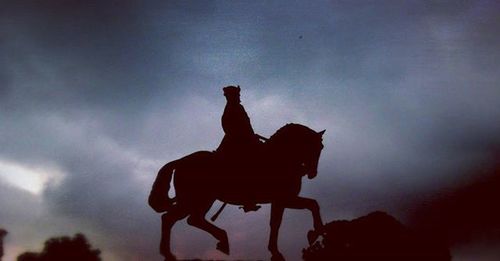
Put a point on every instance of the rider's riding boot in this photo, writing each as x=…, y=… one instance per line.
x=250, y=207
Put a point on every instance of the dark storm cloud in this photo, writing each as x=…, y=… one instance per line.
x=73, y=58
x=87, y=53
x=78, y=78
x=108, y=91
x=70, y=70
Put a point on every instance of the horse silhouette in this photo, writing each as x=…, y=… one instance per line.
x=274, y=177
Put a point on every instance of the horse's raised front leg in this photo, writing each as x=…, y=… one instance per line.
x=167, y=221
x=197, y=219
x=276, y=217
x=312, y=205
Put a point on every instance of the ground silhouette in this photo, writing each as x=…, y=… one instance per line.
x=64, y=249
x=376, y=236
x=216, y=260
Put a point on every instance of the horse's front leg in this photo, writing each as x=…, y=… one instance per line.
x=276, y=217
x=312, y=205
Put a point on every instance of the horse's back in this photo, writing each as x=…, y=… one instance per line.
x=194, y=157
x=194, y=175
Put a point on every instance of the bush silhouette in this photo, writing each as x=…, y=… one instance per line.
x=377, y=236
x=64, y=248
x=3, y=233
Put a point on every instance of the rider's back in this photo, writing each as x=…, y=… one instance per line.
x=235, y=121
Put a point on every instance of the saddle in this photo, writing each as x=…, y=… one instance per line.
x=240, y=162
x=238, y=152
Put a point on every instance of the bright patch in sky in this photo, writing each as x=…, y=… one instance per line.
x=32, y=179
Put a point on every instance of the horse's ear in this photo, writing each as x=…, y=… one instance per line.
x=238, y=87
x=321, y=132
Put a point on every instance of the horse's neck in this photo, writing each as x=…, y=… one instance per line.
x=283, y=147
x=281, y=156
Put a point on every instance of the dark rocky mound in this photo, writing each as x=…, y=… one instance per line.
x=377, y=236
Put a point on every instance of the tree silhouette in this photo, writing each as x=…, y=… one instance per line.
x=64, y=248
x=377, y=236
x=3, y=233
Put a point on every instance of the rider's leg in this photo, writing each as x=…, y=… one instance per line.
x=167, y=221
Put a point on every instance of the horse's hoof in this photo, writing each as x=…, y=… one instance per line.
x=277, y=257
x=312, y=236
x=223, y=247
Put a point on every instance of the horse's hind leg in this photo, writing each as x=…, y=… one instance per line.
x=197, y=219
x=167, y=221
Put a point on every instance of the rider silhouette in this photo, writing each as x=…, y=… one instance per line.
x=240, y=143
x=239, y=140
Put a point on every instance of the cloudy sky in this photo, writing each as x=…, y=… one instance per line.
x=95, y=96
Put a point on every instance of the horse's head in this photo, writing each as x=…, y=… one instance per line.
x=300, y=144
x=311, y=154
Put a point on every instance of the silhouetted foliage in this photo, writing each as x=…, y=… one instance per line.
x=64, y=248
x=377, y=236
x=3, y=233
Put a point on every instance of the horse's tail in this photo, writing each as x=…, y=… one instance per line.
x=158, y=198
